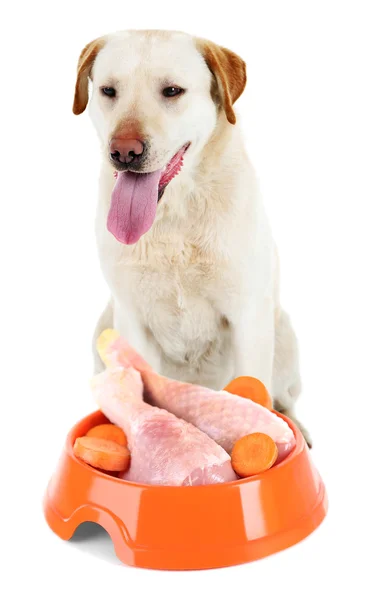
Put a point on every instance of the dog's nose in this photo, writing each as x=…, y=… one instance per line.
x=125, y=152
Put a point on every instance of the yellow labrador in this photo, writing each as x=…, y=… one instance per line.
x=183, y=239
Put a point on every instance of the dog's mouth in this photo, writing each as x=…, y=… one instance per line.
x=135, y=197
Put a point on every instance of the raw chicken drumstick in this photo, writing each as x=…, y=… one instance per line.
x=222, y=416
x=164, y=450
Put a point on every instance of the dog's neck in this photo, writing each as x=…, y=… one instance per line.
x=217, y=153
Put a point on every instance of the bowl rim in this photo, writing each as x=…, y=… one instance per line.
x=71, y=437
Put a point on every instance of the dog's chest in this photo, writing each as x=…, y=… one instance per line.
x=179, y=293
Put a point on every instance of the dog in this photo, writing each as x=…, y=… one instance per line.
x=183, y=239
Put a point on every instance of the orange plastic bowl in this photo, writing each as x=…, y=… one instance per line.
x=202, y=527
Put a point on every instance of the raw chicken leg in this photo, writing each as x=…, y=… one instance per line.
x=164, y=450
x=222, y=416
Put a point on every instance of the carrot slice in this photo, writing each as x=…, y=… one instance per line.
x=102, y=454
x=253, y=454
x=252, y=388
x=108, y=431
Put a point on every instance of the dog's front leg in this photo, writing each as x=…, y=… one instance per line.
x=254, y=341
x=129, y=325
x=126, y=323
x=105, y=321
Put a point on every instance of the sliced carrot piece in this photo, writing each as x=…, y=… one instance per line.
x=102, y=454
x=253, y=454
x=108, y=431
x=252, y=388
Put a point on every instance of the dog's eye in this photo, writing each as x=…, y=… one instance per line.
x=108, y=91
x=170, y=92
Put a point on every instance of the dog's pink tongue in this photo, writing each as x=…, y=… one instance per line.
x=133, y=205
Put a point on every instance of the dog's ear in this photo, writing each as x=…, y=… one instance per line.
x=229, y=71
x=85, y=64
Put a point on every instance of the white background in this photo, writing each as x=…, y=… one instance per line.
x=304, y=117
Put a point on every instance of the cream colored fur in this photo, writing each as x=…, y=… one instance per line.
x=197, y=296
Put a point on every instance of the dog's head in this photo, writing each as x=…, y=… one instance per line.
x=155, y=104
